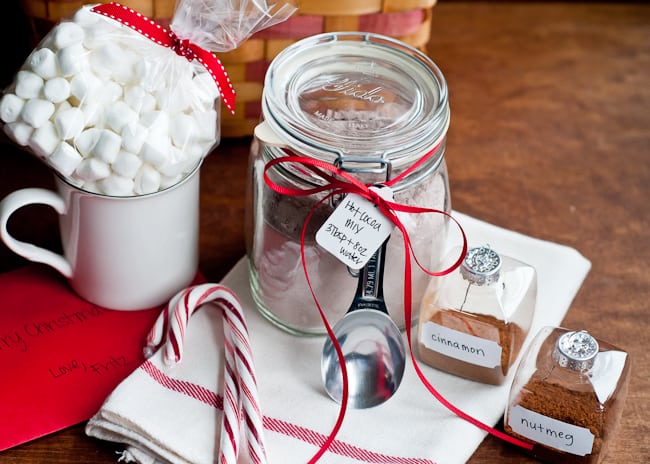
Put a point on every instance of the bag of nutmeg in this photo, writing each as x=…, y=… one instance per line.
x=119, y=105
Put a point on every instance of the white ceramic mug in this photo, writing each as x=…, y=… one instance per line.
x=123, y=253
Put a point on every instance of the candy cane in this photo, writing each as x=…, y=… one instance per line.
x=240, y=385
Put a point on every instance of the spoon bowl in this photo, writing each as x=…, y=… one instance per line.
x=371, y=343
x=374, y=356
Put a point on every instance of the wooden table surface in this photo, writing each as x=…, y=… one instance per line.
x=550, y=136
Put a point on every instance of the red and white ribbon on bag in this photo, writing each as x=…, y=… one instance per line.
x=240, y=398
x=167, y=38
x=339, y=182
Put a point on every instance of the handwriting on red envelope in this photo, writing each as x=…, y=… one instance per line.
x=60, y=356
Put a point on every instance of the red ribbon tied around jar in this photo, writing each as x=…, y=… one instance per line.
x=167, y=38
x=339, y=182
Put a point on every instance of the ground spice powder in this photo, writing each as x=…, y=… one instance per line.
x=508, y=336
x=569, y=396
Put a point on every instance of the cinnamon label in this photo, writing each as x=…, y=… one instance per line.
x=473, y=346
x=462, y=346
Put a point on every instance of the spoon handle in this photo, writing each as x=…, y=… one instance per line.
x=370, y=288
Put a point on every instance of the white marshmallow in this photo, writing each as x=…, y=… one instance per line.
x=120, y=115
x=166, y=182
x=176, y=98
x=84, y=17
x=116, y=186
x=43, y=63
x=72, y=59
x=64, y=105
x=86, y=92
x=178, y=163
x=133, y=137
x=147, y=180
x=19, y=132
x=36, y=112
x=91, y=170
x=112, y=92
x=208, y=123
x=57, y=89
x=126, y=164
x=141, y=73
x=125, y=72
x=69, y=123
x=11, y=106
x=105, y=58
x=90, y=186
x=195, y=151
x=28, y=84
x=98, y=33
x=86, y=141
x=156, y=149
x=149, y=73
x=76, y=182
x=183, y=130
x=85, y=86
x=94, y=112
x=65, y=159
x=107, y=146
x=156, y=121
x=205, y=90
x=139, y=99
x=66, y=34
x=44, y=140
x=181, y=71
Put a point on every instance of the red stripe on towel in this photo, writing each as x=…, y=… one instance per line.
x=280, y=426
x=181, y=386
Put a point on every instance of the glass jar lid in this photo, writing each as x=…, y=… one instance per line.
x=356, y=97
x=481, y=266
x=576, y=350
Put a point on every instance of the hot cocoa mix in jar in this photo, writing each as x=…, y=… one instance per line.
x=374, y=108
x=567, y=396
x=474, y=321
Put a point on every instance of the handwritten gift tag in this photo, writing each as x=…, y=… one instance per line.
x=60, y=355
x=356, y=229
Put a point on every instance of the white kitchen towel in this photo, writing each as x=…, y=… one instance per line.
x=172, y=414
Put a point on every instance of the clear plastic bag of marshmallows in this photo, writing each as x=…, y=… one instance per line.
x=119, y=105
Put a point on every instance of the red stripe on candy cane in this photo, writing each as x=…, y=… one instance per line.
x=240, y=401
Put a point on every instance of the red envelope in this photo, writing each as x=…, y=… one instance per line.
x=60, y=356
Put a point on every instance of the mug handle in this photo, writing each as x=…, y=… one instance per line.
x=17, y=200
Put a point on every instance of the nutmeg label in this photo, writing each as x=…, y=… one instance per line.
x=459, y=345
x=550, y=432
x=355, y=230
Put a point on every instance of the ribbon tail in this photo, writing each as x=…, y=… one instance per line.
x=218, y=72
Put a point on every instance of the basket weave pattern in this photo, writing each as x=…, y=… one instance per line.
x=406, y=20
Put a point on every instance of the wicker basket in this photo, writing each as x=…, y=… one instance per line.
x=406, y=20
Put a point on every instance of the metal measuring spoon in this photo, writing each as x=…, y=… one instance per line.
x=371, y=342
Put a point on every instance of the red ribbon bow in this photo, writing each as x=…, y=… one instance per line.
x=340, y=182
x=167, y=38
